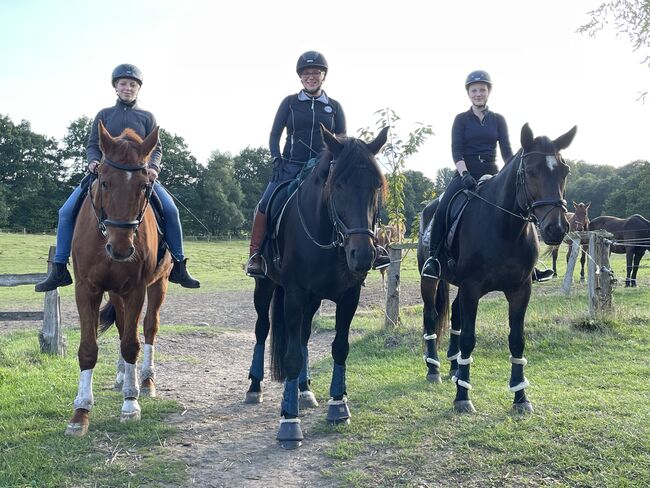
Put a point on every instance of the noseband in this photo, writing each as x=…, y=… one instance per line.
x=102, y=221
x=340, y=231
x=522, y=189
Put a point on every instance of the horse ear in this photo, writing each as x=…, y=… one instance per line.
x=587, y=206
x=376, y=145
x=565, y=140
x=526, y=137
x=150, y=142
x=105, y=139
x=331, y=141
x=575, y=205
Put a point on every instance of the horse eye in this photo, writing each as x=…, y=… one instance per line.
x=104, y=184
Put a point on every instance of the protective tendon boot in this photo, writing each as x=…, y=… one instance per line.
x=256, y=267
x=59, y=276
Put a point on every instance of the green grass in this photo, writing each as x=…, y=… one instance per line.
x=590, y=386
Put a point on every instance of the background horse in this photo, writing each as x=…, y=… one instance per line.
x=631, y=237
x=384, y=236
x=495, y=248
x=578, y=222
x=324, y=250
x=114, y=250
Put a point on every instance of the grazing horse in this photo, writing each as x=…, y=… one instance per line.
x=323, y=250
x=495, y=249
x=578, y=222
x=115, y=250
x=384, y=236
x=631, y=237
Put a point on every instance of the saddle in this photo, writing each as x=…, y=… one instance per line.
x=154, y=202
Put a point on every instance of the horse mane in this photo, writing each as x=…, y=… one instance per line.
x=126, y=147
x=353, y=164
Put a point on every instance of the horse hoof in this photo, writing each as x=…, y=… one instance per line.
x=464, y=406
x=130, y=417
x=76, y=429
x=130, y=410
x=522, y=408
x=290, y=435
x=307, y=399
x=338, y=412
x=148, y=391
x=254, y=397
x=434, y=378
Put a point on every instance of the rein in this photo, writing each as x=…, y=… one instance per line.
x=340, y=231
x=520, y=189
x=102, y=222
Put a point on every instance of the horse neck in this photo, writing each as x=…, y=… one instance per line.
x=313, y=206
x=505, y=185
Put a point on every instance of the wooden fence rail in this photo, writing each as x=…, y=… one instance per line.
x=51, y=336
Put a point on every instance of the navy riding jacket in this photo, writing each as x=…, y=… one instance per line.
x=302, y=116
x=118, y=118
x=473, y=139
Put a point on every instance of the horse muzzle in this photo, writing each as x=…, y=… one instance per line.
x=359, y=253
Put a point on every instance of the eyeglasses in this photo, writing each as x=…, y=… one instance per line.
x=311, y=74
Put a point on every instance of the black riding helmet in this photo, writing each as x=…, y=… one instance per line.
x=126, y=71
x=311, y=59
x=478, y=76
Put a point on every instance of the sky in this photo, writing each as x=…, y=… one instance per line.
x=216, y=72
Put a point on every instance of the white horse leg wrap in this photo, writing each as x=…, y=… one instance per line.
x=431, y=361
x=453, y=331
x=454, y=357
x=520, y=386
x=337, y=402
x=289, y=421
x=119, y=377
x=463, y=362
x=521, y=361
x=147, y=363
x=462, y=383
x=131, y=389
x=429, y=337
x=85, y=397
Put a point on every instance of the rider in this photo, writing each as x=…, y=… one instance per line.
x=474, y=137
x=126, y=80
x=301, y=115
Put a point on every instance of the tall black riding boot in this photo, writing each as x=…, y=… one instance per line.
x=59, y=276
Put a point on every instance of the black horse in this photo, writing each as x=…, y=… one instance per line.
x=631, y=237
x=495, y=249
x=324, y=249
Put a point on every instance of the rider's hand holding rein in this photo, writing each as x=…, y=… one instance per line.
x=152, y=173
x=92, y=167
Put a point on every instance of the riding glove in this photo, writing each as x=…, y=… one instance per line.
x=468, y=181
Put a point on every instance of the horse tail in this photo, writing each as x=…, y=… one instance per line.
x=278, y=335
x=441, y=320
x=107, y=317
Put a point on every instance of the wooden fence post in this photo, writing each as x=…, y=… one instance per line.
x=568, y=277
x=51, y=337
x=599, y=274
x=392, y=295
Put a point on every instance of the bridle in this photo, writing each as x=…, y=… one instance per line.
x=103, y=222
x=340, y=231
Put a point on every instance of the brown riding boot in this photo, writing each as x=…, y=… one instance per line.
x=256, y=267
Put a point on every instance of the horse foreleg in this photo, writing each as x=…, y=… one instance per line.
x=262, y=299
x=118, y=305
x=88, y=306
x=453, y=350
x=638, y=255
x=467, y=306
x=338, y=411
x=629, y=265
x=517, y=304
x=155, y=297
x=130, y=348
x=431, y=316
x=583, y=258
x=306, y=398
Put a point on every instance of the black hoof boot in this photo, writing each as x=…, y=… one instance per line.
x=338, y=412
x=181, y=276
x=290, y=435
x=59, y=276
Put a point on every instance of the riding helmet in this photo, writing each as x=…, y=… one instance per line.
x=126, y=71
x=478, y=76
x=311, y=59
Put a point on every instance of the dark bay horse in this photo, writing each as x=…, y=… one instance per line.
x=114, y=250
x=324, y=251
x=495, y=249
x=631, y=237
x=578, y=222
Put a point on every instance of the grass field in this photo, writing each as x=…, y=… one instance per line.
x=590, y=386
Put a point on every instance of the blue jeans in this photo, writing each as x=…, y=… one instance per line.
x=65, y=229
x=284, y=172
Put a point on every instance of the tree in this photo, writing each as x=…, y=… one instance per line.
x=418, y=191
x=443, y=178
x=396, y=151
x=221, y=196
x=252, y=168
x=633, y=195
x=73, y=152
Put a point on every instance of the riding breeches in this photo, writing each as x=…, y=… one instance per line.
x=284, y=172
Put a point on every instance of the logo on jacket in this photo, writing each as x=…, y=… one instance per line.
x=328, y=109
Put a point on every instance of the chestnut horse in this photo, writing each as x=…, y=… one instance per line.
x=631, y=237
x=384, y=236
x=578, y=222
x=115, y=250
x=495, y=249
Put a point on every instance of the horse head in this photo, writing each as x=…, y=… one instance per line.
x=352, y=192
x=580, y=218
x=541, y=180
x=122, y=189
